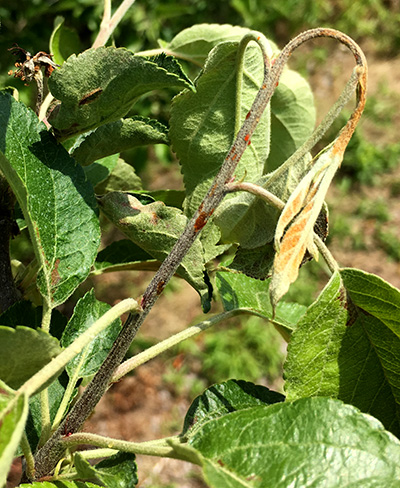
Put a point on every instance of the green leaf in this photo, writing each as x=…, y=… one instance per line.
x=224, y=398
x=118, y=136
x=317, y=442
x=25, y=313
x=155, y=228
x=292, y=117
x=240, y=292
x=194, y=43
x=341, y=351
x=122, y=178
x=12, y=422
x=59, y=484
x=86, y=312
x=100, y=86
x=118, y=471
x=124, y=255
x=24, y=351
x=64, y=42
x=57, y=201
x=374, y=295
x=100, y=170
x=34, y=422
x=202, y=124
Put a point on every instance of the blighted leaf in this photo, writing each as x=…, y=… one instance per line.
x=118, y=136
x=155, y=228
x=194, y=43
x=24, y=351
x=202, y=124
x=12, y=422
x=123, y=177
x=315, y=441
x=64, y=41
x=56, y=199
x=339, y=350
x=87, y=310
x=240, y=292
x=224, y=398
x=297, y=220
x=100, y=86
x=118, y=471
x=124, y=255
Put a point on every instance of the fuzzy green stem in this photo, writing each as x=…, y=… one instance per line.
x=29, y=459
x=172, y=341
x=159, y=448
x=65, y=400
x=45, y=417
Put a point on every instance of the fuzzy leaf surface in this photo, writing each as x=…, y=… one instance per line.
x=155, y=228
x=316, y=441
x=87, y=310
x=224, y=398
x=339, y=350
x=195, y=42
x=24, y=351
x=100, y=170
x=118, y=136
x=202, y=125
x=13, y=416
x=56, y=199
x=123, y=177
x=100, y=86
x=238, y=291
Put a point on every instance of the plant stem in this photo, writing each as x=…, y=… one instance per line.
x=163, y=346
x=44, y=417
x=109, y=24
x=160, y=447
x=29, y=459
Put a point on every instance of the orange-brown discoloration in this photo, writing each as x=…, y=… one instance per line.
x=90, y=97
x=55, y=276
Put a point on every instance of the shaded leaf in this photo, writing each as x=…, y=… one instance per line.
x=87, y=310
x=24, y=351
x=155, y=228
x=118, y=136
x=315, y=441
x=338, y=350
x=124, y=255
x=117, y=471
x=100, y=170
x=224, y=398
x=122, y=178
x=12, y=422
x=56, y=199
x=59, y=484
x=100, y=86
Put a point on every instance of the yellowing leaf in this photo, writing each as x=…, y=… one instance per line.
x=297, y=220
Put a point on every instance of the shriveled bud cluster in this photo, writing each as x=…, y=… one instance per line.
x=29, y=66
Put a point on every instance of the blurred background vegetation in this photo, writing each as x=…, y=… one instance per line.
x=364, y=209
